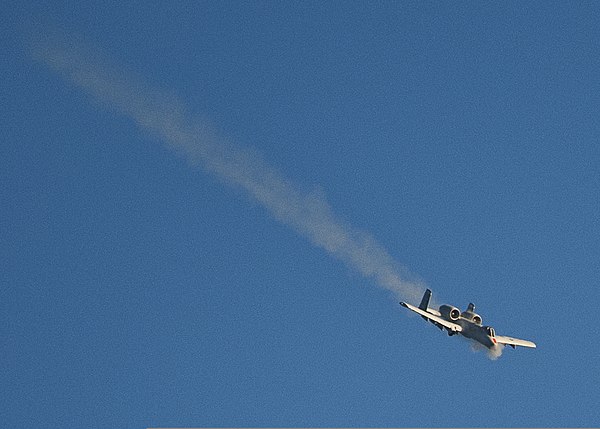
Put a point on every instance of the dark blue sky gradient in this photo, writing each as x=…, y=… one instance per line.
x=139, y=291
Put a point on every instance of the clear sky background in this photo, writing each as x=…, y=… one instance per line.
x=140, y=289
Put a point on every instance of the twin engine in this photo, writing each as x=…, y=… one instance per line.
x=449, y=312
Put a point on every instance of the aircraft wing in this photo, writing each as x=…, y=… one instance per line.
x=433, y=318
x=514, y=342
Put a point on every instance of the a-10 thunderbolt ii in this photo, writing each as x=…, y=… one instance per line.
x=468, y=324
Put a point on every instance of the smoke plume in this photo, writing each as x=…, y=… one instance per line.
x=164, y=116
x=492, y=353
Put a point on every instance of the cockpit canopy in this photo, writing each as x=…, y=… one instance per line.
x=490, y=331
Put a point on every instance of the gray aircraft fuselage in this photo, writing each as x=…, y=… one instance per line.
x=467, y=323
x=481, y=334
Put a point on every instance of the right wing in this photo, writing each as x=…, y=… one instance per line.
x=433, y=318
x=514, y=342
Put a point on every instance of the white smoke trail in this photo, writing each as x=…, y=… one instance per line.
x=164, y=116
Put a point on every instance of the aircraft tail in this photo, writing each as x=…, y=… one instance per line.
x=425, y=301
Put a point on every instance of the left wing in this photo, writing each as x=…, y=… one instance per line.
x=514, y=342
x=432, y=317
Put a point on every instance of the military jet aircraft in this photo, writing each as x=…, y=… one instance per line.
x=468, y=324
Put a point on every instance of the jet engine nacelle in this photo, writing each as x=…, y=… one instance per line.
x=473, y=317
x=449, y=312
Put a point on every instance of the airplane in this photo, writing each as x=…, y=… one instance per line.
x=468, y=324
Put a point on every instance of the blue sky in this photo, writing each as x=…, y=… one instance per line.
x=144, y=285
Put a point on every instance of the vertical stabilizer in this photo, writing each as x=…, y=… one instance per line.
x=425, y=301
